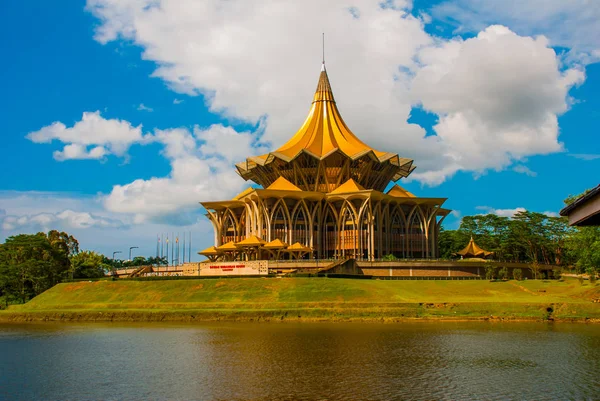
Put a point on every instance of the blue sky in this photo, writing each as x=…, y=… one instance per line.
x=499, y=112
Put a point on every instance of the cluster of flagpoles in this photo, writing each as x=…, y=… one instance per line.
x=176, y=254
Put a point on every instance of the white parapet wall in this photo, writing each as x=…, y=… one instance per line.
x=237, y=268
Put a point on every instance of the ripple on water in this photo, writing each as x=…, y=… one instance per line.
x=446, y=361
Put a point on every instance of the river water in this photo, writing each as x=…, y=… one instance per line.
x=425, y=361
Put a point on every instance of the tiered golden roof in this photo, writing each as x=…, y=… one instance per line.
x=323, y=134
x=324, y=131
x=472, y=250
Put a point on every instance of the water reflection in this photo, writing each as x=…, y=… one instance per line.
x=300, y=361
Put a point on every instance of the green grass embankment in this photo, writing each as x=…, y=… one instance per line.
x=310, y=299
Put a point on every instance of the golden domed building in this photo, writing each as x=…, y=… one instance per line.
x=323, y=197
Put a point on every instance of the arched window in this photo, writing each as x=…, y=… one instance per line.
x=279, y=224
x=398, y=235
x=300, y=226
x=416, y=235
x=330, y=233
x=229, y=228
x=364, y=232
x=348, y=233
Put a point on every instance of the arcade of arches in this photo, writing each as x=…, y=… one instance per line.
x=323, y=189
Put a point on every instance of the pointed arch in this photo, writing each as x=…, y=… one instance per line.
x=229, y=227
x=348, y=229
x=397, y=232
x=329, y=232
x=300, y=224
x=365, y=230
x=416, y=233
x=280, y=222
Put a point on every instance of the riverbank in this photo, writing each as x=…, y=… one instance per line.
x=311, y=299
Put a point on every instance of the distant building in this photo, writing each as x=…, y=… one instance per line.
x=323, y=197
x=585, y=211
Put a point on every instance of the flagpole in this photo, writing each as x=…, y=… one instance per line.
x=190, y=249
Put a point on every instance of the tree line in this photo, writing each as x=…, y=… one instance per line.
x=32, y=263
x=528, y=237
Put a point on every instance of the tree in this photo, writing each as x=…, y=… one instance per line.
x=503, y=273
x=88, y=264
x=535, y=268
x=30, y=264
x=157, y=261
x=517, y=274
x=490, y=273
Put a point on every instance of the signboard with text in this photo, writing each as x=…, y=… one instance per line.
x=235, y=268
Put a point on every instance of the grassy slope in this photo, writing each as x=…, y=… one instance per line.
x=313, y=298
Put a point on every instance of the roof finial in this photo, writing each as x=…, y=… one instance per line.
x=323, y=50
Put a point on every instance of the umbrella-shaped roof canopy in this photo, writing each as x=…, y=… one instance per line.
x=250, y=241
x=209, y=251
x=399, y=192
x=281, y=184
x=275, y=244
x=473, y=250
x=230, y=246
x=348, y=186
x=298, y=247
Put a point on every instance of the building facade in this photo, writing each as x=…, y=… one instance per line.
x=323, y=191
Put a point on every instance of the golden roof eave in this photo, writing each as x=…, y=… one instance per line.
x=323, y=134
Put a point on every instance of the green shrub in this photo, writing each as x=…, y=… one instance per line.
x=592, y=273
x=557, y=274
x=503, y=273
x=517, y=274
x=490, y=273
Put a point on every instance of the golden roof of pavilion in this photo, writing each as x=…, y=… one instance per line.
x=209, y=251
x=473, y=250
x=253, y=240
x=298, y=247
x=230, y=246
x=399, y=192
x=275, y=244
x=281, y=184
x=348, y=186
x=323, y=134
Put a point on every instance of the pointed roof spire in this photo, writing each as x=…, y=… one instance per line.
x=323, y=68
x=472, y=250
x=324, y=131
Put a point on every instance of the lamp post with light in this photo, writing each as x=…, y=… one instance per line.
x=113, y=264
x=130, y=248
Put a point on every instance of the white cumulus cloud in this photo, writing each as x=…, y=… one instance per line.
x=93, y=137
x=497, y=95
x=572, y=24
x=201, y=170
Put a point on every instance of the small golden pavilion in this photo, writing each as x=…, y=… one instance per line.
x=472, y=250
x=323, y=196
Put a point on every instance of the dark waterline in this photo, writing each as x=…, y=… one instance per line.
x=445, y=361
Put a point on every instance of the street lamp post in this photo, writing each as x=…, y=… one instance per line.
x=130, y=248
x=113, y=259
